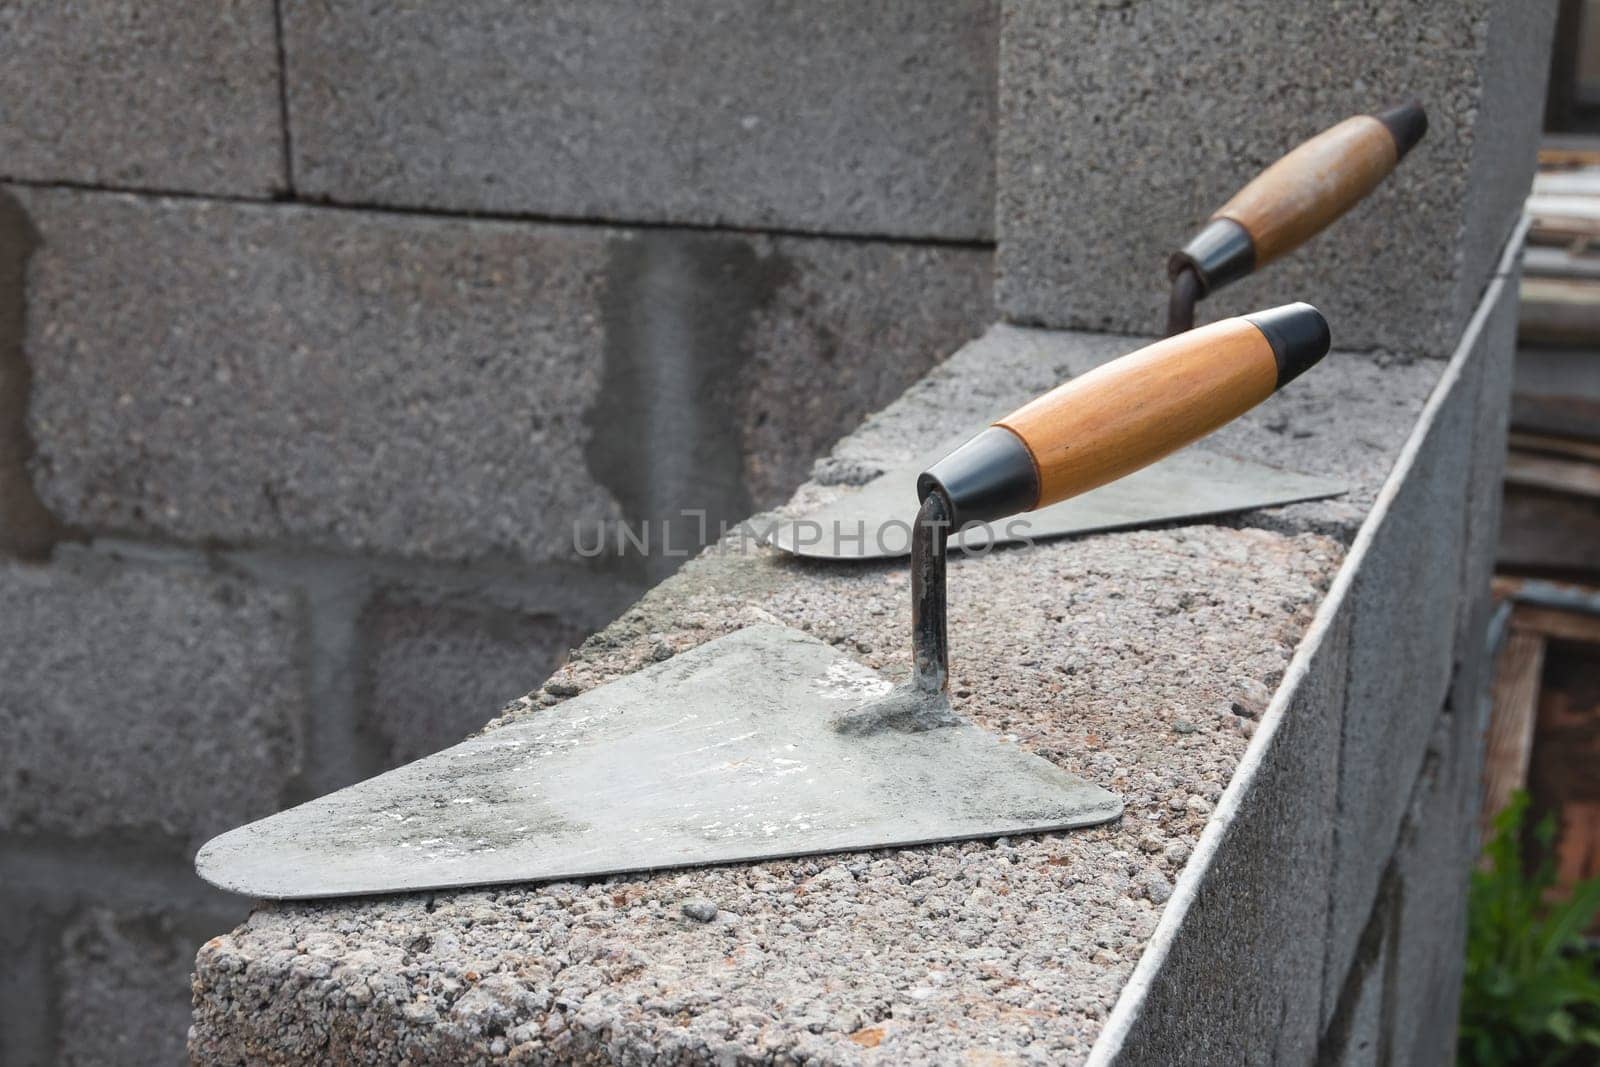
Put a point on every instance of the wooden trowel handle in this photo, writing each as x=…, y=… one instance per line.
x=1298, y=196
x=1126, y=414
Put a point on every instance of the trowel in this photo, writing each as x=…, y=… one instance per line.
x=1279, y=210
x=769, y=743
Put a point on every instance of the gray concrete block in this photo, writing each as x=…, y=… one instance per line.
x=122, y=982
x=142, y=703
x=1403, y=598
x=1508, y=124
x=823, y=117
x=1484, y=495
x=1241, y=979
x=119, y=94
x=437, y=674
x=1183, y=103
x=1434, y=860
x=222, y=373
x=1361, y=1031
x=445, y=389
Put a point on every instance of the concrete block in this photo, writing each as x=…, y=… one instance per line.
x=1121, y=656
x=1509, y=111
x=437, y=674
x=1085, y=651
x=1435, y=858
x=142, y=703
x=1484, y=495
x=1361, y=1030
x=1404, y=597
x=117, y=93
x=1248, y=945
x=445, y=389
x=122, y=983
x=824, y=117
x=1181, y=104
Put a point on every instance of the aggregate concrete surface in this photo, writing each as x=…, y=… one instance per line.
x=1139, y=660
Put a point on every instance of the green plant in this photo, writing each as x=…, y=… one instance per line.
x=1532, y=992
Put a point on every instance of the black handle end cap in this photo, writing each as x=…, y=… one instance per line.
x=1299, y=337
x=1407, y=123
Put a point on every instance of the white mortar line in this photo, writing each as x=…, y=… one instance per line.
x=1108, y=1046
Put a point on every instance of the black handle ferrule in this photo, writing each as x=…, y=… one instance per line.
x=1221, y=252
x=991, y=476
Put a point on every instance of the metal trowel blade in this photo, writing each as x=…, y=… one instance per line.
x=721, y=754
x=874, y=522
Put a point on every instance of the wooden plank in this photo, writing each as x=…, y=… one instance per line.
x=1509, y=745
x=1569, y=155
x=1559, y=263
x=1577, y=843
x=1568, y=416
x=1502, y=586
x=1564, y=774
x=1573, y=181
x=1564, y=230
x=1553, y=534
x=1553, y=622
x=1550, y=444
x=1549, y=472
x=1562, y=207
x=1559, y=310
x=1560, y=291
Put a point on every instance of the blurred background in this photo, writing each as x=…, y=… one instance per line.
x=328, y=330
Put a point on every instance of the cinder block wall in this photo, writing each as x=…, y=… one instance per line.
x=312, y=318
x=321, y=325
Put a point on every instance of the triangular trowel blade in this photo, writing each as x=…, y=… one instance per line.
x=874, y=522
x=721, y=754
